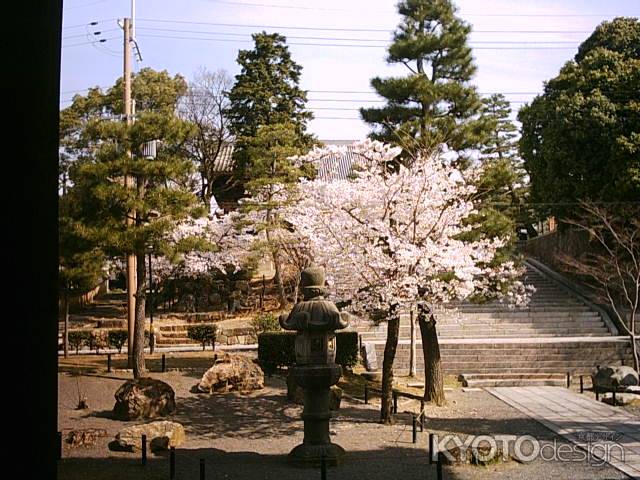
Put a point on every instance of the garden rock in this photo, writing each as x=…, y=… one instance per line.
x=610, y=377
x=85, y=437
x=232, y=372
x=621, y=399
x=295, y=394
x=144, y=398
x=160, y=436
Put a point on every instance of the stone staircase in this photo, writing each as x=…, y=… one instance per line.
x=497, y=345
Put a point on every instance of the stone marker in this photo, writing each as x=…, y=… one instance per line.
x=232, y=372
x=369, y=357
x=84, y=437
x=160, y=436
x=144, y=398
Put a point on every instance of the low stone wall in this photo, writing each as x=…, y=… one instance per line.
x=190, y=317
x=236, y=336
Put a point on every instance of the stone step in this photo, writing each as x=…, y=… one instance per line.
x=176, y=341
x=514, y=382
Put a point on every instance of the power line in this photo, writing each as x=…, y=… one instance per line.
x=349, y=45
x=101, y=40
x=90, y=24
x=86, y=34
x=335, y=29
x=572, y=42
x=295, y=7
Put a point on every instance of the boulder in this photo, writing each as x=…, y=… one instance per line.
x=85, y=437
x=621, y=399
x=295, y=394
x=610, y=377
x=160, y=436
x=144, y=398
x=232, y=372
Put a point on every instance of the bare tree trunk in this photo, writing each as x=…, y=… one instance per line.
x=278, y=278
x=139, y=368
x=66, y=325
x=393, y=332
x=634, y=352
x=433, y=378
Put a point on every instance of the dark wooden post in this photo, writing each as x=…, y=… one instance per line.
x=568, y=379
x=323, y=467
x=432, y=447
x=415, y=429
x=366, y=394
x=108, y=362
x=164, y=363
x=202, y=469
x=144, y=449
x=439, y=466
x=581, y=384
x=172, y=463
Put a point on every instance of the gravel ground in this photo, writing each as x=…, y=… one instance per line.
x=248, y=436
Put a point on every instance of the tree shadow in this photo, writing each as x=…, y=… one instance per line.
x=390, y=462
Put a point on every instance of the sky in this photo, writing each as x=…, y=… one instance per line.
x=341, y=45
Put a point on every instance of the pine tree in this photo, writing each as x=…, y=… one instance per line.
x=99, y=141
x=501, y=140
x=434, y=103
x=268, y=118
x=266, y=92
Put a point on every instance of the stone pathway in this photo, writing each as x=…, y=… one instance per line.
x=579, y=419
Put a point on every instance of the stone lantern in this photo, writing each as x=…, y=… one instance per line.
x=315, y=319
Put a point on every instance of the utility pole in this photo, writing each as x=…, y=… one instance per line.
x=128, y=181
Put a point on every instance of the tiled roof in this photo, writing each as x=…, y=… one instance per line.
x=224, y=161
x=337, y=167
x=331, y=167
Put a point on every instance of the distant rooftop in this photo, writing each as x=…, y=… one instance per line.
x=331, y=167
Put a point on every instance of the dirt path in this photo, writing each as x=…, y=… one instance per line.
x=249, y=436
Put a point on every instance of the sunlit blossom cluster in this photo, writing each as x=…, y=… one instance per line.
x=389, y=234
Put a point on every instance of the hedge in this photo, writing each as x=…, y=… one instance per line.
x=203, y=334
x=277, y=349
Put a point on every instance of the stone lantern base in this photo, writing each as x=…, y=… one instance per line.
x=316, y=381
x=305, y=455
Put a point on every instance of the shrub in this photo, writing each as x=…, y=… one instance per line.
x=203, y=334
x=265, y=322
x=277, y=349
x=117, y=338
x=78, y=338
x=97, y=340
x=346, y=349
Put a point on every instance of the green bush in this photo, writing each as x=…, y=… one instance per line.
x=78, y=338
x=97, y=340
x=203, y=334
x=346, y=349
x=277, y=349
x=265, y=322
x=117, y=339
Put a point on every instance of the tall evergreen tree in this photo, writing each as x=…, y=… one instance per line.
x=501, y=140
x=434, y=103
x=266, y=92
x=93, y=133
x=268, y=118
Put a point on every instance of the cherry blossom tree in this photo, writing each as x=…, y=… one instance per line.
x=389, y=237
